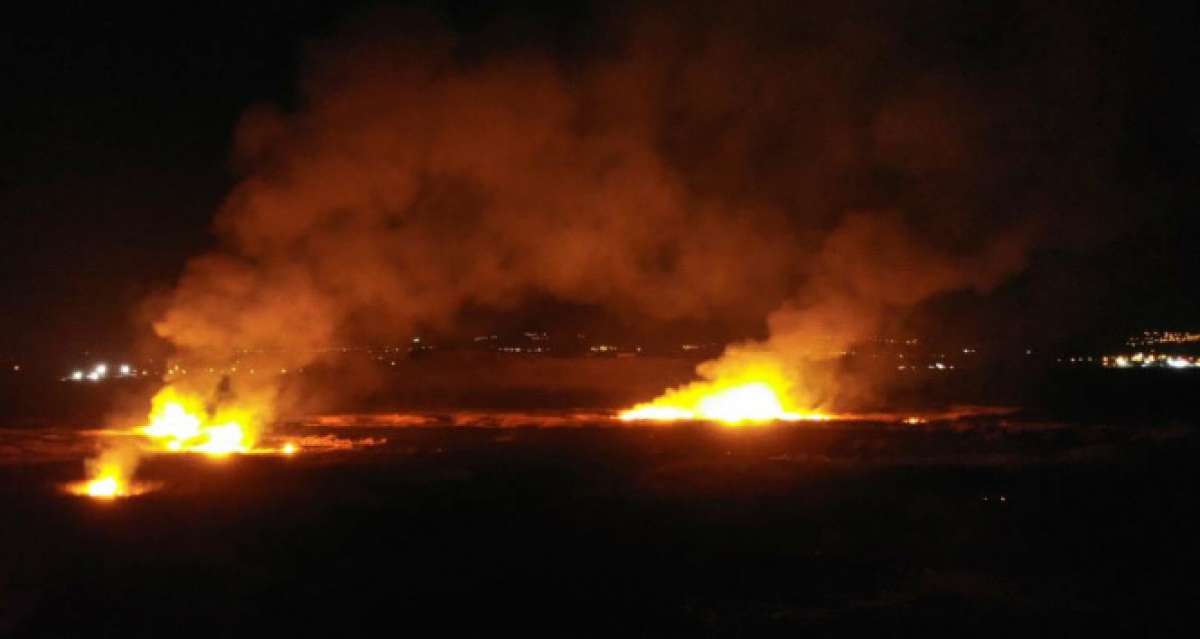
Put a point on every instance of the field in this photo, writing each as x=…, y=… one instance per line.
x=547, y=522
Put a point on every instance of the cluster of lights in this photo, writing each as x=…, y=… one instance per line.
x=1151, y=360
x=1149, y=338
x=609, y=349
x=523, y=349
x=936, y=366
x=176, y=370
x=100, y=372
x=912, y=341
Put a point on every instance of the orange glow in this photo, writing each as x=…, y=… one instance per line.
x=110, y=487
x=110, y=478
x=105, y=487
x=757, y=393
x=180, y=423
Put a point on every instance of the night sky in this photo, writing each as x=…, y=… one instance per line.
x=118, y=124
x=117, y=128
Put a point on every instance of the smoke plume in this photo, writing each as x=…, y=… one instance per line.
x=825, y=170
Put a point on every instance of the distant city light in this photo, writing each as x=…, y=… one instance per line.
x=1151, y=360
x=1150, y=338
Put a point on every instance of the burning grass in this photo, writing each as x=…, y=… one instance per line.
x=754, y=402
x=748, y=390
x=108, y=487
x=179, y=422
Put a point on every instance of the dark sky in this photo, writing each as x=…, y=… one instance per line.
x=117, y=126
x=116, y=130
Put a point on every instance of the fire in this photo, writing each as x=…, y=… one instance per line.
x=181, y=423
x=110, y=486
x=110, y=476
x=751, y=402
x=756, y=394
x=107, y=487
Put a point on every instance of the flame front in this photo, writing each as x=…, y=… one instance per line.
x=107, y=486
x=181, y=423
x=110, y=476
x=754, y=394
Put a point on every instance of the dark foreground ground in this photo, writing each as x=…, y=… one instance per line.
x=684, y=531
x=990, y=526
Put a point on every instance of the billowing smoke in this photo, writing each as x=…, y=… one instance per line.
x=869, y=269
x=827, y=172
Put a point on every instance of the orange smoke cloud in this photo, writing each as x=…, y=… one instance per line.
x=702, y=168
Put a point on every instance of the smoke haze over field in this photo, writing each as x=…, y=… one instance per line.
x=826, y=171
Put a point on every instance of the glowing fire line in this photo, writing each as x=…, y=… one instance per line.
x=750, y=402
x=110, y=482
x=178, y=423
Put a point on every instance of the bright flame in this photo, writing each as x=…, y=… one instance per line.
x=174, y=423
x=110, y=477
x=755, y=394
x=105, y=487
x=180, y=423
x=224, y=439
x=114, y=486
x=754, y=402
x=653, y=412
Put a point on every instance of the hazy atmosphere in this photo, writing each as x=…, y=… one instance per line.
x=825, y=299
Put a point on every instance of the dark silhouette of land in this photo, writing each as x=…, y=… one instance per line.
x=1034, y=522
